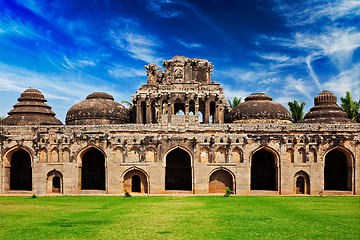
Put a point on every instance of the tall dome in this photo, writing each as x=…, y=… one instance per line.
x=326, y=110
x=259, y=107
x=99, y=108
x=31, y=110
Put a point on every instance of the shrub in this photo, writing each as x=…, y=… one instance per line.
x=33, y=196
x=127, y=194
x=228, y=192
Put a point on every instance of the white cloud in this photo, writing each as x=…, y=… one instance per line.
x=347, y=80
x=231, y=92
x=310, y=11
x=293, y=85
x=190, y=45
x=121, y=71
x=127, y=36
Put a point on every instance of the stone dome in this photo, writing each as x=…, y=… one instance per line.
x=98, y=108
x=326, y=110
x=259, y=107
x=31, y=110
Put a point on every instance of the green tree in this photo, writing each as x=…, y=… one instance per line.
x=297, y=110
x=127, y=102
x=350, y=106
x=236, y=101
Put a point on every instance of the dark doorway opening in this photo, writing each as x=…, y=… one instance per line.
x=337, y=173
x=179, y=108
x=300, y=185
x=20, y=171
x=135, y=184
x=153, y=113
x=191, y=107
x=178, y=170
x=212, y=112
x=56, y=185
x=93, y=170
x=143, y=112
x=219, y=180
x=263, y=171
x=201, y=113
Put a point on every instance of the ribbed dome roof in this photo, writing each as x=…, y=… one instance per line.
x=326, y=110
x=31, y=110
x=259, y=107
x=98, y=108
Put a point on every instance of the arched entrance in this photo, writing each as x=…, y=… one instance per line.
x=93, y=170
x=136, y=181
x=219, y=180
x=263, y=170
x=178, y=170
x=20, y=171
x=337, y=171
x=301, y=183
x=54, y=182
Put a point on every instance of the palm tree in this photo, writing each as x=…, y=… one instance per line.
x=350, y=106
x=297, y=110
x=127, y=102
x=236, y=101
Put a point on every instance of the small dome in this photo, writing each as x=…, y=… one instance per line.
x=326, y=110
x=98, y=108
x=259, y=107
x=31, y=110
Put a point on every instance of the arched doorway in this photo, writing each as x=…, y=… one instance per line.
x=136, y=181
x=178, y=170
x=20, y=171
x=337, y=171
x=93, y=170
x=135, y=184
x=301, y=183
x=219, y=180
x=263, y=171
x=54, y=182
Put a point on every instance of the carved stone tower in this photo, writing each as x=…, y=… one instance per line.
x=182, y=94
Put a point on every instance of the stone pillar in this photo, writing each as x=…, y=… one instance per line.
x=138, y=113
x=207, y=112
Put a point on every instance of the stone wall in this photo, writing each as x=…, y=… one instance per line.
x=298, y=150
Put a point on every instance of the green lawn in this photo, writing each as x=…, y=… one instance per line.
x=194, y=217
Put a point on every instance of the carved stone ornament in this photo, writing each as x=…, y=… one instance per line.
x=178, y=73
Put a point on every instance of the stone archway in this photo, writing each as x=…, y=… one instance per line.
x=93, y=170
x=301, y=183
x=337, y=171
x=219, y=180
x=178, y=174
x=20, y=171
x=263, y=170
x=136, y=181
x=54, y=182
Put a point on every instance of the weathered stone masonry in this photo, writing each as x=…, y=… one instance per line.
x=258, y=152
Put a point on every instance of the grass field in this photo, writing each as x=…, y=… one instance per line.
x=194, y=217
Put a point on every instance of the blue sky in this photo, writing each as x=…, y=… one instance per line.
x=70, y=48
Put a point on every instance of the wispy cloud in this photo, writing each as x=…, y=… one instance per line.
x=164, y=8
x=121, y=71
x=190, y=45
x=311, y=11
x=127, y=36
x=348, y=80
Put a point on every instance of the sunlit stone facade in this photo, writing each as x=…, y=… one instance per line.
x=178, y=137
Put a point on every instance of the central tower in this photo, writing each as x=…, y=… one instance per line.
x=183, y=93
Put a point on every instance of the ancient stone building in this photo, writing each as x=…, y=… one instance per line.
x=179, y=136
